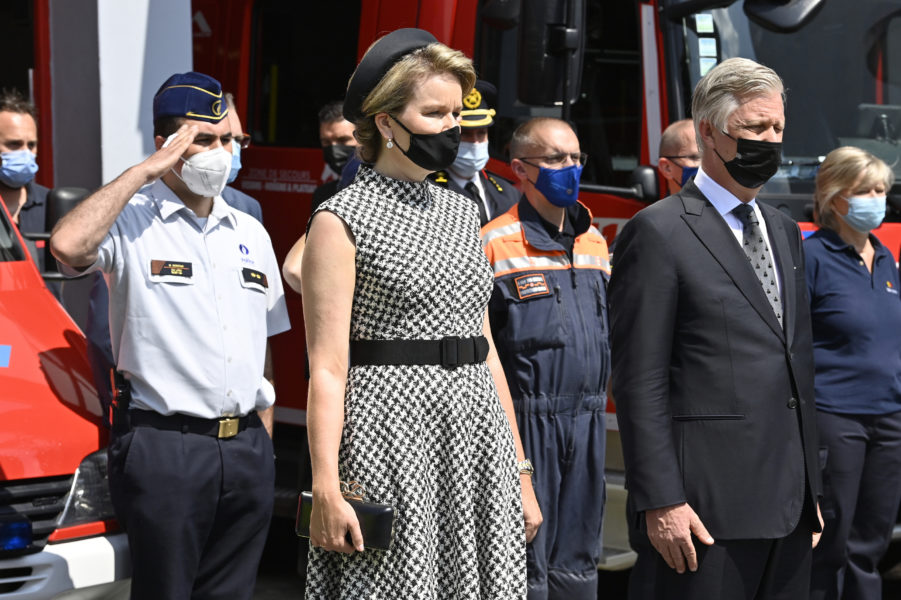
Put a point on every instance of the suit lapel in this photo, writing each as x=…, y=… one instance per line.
x=779, y=240
x=713, y=232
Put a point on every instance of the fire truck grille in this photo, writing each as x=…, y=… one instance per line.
x=41, y=500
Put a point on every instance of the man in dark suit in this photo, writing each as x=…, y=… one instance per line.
x=492, y=194
x=713, y=365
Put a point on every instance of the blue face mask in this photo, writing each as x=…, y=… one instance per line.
x=471, y=158
x=688, y=173
x=236, y=162
x=17, y=168
x=559, y=186
x=865, y=212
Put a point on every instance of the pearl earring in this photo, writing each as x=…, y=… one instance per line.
x=390, y=144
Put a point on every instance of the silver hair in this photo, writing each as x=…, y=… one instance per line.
x=719, y=93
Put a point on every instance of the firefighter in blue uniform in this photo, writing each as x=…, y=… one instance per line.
x=548, y=314
x=492, y=194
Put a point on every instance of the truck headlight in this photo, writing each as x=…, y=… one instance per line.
x=89, y=509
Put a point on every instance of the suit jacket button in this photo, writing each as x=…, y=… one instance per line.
x=793, y=403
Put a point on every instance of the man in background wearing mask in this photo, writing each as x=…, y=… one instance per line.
x=679, y=158
x=25, y=200
x=548, y=313
x=492, y=194
x=336, y=135
x=240, y=141
x=194, y=294
x=713, y=364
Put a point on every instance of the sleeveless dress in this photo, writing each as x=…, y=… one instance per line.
x=435, y=443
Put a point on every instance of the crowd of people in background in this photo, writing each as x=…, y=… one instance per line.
x=465, y=333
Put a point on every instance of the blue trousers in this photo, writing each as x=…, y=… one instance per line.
x=196, y=510
x=565, y=440
x=862, y=491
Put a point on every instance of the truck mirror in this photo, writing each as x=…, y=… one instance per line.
x=60, y=201
x=551, y=44
x=646, y=177
x=501, y=14
x=782, y=16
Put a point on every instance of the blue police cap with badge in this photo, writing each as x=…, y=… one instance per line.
x=190, y=95
x=478, y=106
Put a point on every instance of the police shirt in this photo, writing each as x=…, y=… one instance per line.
x=191, y=304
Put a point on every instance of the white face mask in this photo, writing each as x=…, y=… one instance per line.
x=206, y=173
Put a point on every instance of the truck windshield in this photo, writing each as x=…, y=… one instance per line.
x=842, y=72
x=9, y=244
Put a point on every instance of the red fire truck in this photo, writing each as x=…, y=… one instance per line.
x=621, y=70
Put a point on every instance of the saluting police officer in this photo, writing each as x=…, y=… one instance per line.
x=493, y=194
x=194, y=293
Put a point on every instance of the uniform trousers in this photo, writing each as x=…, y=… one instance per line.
x=762, y=569
x=565, y=439
x=196, y=510
x=861, y=494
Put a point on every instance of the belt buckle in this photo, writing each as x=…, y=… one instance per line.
x=450, y=352
x=228, y=427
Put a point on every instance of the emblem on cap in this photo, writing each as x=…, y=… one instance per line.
x=472, y=99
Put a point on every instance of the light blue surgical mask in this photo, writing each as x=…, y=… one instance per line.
x=471, y=158
x=559, y=186
x=865, y=213
x=17, y=168
x=236, y=162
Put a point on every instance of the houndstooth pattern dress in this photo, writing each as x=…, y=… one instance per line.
x=435, y=443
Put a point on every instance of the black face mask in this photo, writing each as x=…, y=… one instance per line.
x=432, y=151
x=337, y=155
x=755, y=161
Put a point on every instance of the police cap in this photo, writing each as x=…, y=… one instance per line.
x=377, y=62
x=190, y=95
x=478, y=106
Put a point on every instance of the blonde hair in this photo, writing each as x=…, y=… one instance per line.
x=840, y=172
x=719, y=93
x=399, y=85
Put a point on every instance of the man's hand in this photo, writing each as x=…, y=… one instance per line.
x=818, y=535
x=670, y=529
x=156, y=165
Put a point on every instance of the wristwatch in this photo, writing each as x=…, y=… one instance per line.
x=525, y=467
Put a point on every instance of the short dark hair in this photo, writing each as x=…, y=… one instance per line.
x=12, y=100
x=331, y=112
x=166, y=126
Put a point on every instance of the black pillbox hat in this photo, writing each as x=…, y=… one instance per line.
x=377, y=62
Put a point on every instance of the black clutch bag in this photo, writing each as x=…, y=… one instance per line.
x=376, y=520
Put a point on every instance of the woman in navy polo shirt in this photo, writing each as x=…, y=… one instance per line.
x=856, y=313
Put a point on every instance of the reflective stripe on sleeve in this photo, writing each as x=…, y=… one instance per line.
x=500, y=232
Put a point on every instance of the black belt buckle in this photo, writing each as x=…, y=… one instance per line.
x=450, y=352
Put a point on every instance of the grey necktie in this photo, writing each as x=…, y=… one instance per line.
x=756, y=250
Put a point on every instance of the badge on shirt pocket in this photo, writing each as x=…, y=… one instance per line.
x=254, y=280
x=530, y=286
x=171, y=271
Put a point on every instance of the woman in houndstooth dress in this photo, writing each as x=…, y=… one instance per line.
x=393, y=257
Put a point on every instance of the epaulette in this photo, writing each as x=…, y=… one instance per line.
x=494, y=181
x=439, y=177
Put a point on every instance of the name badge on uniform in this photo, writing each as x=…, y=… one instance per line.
x=254, y=280
x=531, y=286
x=890, y=288
x=171, y=271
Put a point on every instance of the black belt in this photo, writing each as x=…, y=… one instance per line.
x=449, y=352
x=226, y=427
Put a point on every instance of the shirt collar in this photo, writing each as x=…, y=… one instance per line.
x=833, y=241
x=462, y=182
x=32, y=199
x=169, y=203
x=722, y=199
